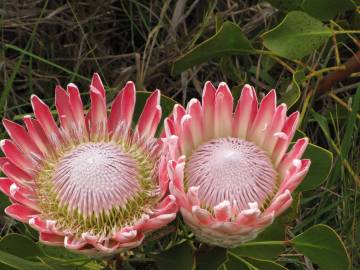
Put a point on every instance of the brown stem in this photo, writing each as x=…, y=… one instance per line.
x=351, y=65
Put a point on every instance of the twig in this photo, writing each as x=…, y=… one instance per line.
x=350, y=66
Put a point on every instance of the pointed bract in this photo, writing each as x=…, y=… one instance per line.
x=235, y=176
x=60, y=178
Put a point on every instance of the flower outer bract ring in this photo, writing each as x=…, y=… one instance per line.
x=230, y=170
x=95, y=184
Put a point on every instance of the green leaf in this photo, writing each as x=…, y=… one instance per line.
x=179, y=257
x=291, y=213
x=19, y=263
x=238, y=263
x=19, y=245
x=82, y=264
x=324, y=247
x=265, y=265
x=296, y=36
x=327, y=9
x=275, y=232
x=259, y=250
x=266, y=246
x=321, y=163
x=236, y=92
x=298, y=135
x=291, y=95
x=226, y=64
x=229, y=40
x=4, y=202
x=166, y=103
x=61, y=253
x=212, y=259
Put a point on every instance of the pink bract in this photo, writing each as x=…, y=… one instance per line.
x=230, y=171
x=95, y=184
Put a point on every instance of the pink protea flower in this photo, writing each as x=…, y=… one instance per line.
x=230, y=172
x=93, y=185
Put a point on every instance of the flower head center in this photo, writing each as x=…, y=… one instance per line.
x=95, y=177
x=98, y=187
x=231, y=169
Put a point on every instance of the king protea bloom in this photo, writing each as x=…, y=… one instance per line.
x=93, y=184
x=230, y=171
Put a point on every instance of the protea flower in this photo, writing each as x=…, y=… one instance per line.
x=230, y=172
x=94, y=184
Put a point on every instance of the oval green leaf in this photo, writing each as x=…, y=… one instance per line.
x=19, y=263
x=296, y=36
x=238, y=263
x=61, y=253
x=262, y=247
x=265, y=265
x=321, y=163
x=292, y=93
x=74, y=264
x=179, y=257
x=324, y=247
x=18, y=246
x=21, y=246
x=211, y=259
x=298, y=135
x=327, y=9
x=229, y=40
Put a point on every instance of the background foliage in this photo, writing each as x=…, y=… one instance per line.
x=307, y=49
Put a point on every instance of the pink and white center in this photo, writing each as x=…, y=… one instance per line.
x=95, y=177
x=231, y=169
